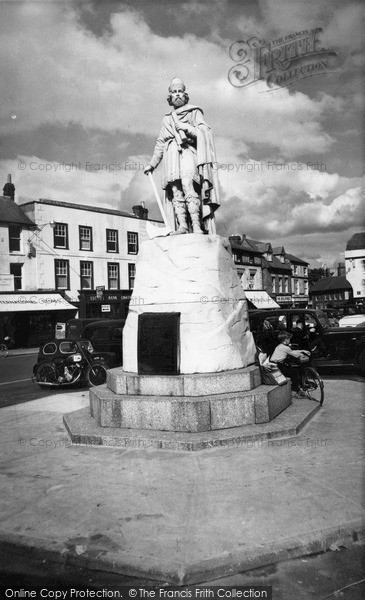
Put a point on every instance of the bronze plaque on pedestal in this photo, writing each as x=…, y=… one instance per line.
x=159, y=344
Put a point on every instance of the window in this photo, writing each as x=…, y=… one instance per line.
x=62, y=274
x=14, y=238
x=280, y=284
x=60, y=235
x=286, y=285
x=86, y=275
x=295, y=267
x=131, y=275
x=16, y=270
x=113, y=276
x=305, y=271
x=86, y=237
x=296, y=286
x=273, y=284
x=112, y=240
x=257, y=260
x=132, y=242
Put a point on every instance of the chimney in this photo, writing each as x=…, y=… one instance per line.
x=140, y=211
x=341, y=269
x=9, y=189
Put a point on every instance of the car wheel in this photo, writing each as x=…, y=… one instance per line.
x=96, y=375
x=361, y=361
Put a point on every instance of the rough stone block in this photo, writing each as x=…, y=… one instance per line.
x=232, y=411
x=154, y=385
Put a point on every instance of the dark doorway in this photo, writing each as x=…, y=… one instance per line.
x=159, y=344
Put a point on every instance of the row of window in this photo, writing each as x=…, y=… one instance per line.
x=62, y=275
x=283, y=285
x=60, y=239
x=333, y=296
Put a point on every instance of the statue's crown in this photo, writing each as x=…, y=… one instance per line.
x=176, y=81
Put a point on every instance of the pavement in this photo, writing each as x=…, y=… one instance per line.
x=179, y=517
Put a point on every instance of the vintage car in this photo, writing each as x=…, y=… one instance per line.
x=106, y=336
x=330, y=346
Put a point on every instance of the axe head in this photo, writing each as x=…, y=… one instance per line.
x=154, y=231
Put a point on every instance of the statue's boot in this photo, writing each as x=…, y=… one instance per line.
x=194, y=207
x=180, y=214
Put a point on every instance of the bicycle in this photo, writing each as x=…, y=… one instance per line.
x=312, y=384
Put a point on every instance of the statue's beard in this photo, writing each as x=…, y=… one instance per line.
x=179, y=102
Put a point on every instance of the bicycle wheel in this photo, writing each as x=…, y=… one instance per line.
x=313, y=385
x=46, y=373
x=4, y=351
x=96, y=375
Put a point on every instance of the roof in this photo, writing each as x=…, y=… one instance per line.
x=357, y=242
x=331, y=283
x=85, y=207
x=10, y=212
x=295, y=259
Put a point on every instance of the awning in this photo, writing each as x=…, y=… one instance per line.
x=261, y=300
x=33, y=302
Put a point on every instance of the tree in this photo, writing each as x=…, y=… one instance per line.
x=315, y=275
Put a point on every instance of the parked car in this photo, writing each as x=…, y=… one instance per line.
x=352, y=321
x=63, y=363
x=311, y=329
x=106, y=336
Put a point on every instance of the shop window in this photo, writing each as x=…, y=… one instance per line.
x=86, y=238
x=14, y=238
x=132, y=242
x=112, y=244
x=131, y=275
x=62, y=274
x=113, y=276
x=16, y=270
x=86, y=275
x=60, y=235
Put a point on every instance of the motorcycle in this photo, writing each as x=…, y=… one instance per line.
x=69, y=362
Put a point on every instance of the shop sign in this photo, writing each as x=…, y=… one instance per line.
x=282, y=299
x=105, y=308
x=300, y=298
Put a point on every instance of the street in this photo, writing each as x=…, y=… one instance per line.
x=331, y=574
x=16, y=385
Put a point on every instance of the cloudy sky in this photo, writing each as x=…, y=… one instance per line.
x=84, y=90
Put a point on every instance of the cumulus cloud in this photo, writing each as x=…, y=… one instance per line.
x=36, y=178
x=58, y=72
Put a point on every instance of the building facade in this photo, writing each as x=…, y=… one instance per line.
x=60, y=258
x=334, y=292
x=270, y=272
x=355, y=266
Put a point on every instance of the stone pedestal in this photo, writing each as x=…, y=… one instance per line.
x=193, y=275
x=215, y=391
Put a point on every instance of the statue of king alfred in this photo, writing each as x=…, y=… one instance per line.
x=186, y=147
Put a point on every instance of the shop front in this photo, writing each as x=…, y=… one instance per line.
x=260, y=299
x=284, y=300
x=104, y=304
x=29, y=318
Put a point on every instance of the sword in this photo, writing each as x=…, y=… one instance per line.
x=152, y=230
